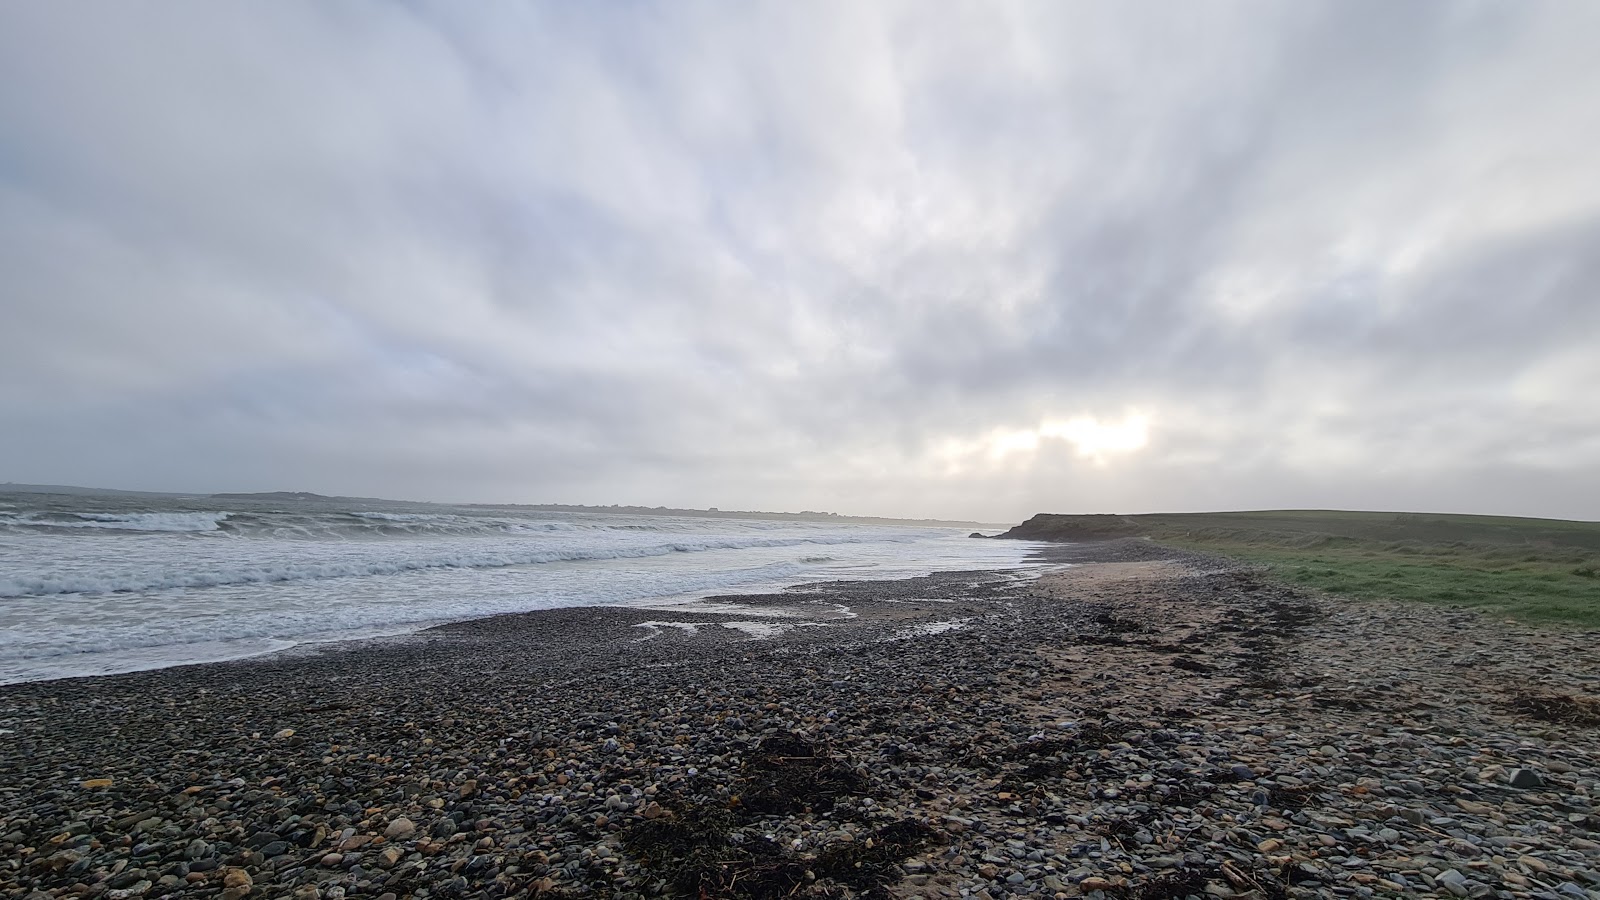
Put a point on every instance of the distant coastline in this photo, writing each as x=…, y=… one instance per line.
x=310, y=497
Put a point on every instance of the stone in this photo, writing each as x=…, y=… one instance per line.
x=95, y=784
x=1525, y=778
x=236, y=883
x=400, y=829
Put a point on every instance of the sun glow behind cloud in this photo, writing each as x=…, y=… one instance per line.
x=1097, y=440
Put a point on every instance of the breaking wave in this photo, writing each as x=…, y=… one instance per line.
x=72, y=583
x=195, y=522
x=291, y=525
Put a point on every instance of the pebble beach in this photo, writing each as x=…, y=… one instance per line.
x=1132, y=723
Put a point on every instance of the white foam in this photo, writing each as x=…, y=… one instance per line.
x=181, y=522
x=102, y=598
x=924, y=629
x=91, y=583
x=759, y=630
x=655, y=628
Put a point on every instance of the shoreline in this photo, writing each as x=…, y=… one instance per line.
x=314, y=643
x=1146, y=721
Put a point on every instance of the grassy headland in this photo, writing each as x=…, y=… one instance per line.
x=1535, y=570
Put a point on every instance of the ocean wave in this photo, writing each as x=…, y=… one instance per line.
x=54, y=583
x=170, y=522
x=292, y=525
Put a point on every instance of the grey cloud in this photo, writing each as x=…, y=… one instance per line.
x=782, y=256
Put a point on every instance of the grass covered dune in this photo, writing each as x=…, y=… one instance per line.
x=1534, y=570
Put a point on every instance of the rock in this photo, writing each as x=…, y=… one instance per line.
x=400, y=829
x=236, y=883
x=1525, y=778
x=285, y=733
x=95, y=784
x=332, y=860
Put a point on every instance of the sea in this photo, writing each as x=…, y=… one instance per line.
x=105, y=583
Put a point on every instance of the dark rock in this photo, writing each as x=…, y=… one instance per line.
x=1525, y=778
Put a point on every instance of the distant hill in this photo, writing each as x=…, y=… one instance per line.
x=310, y=497
x=280, y=495
x=713, y=513
x=11, y=487
x=1299, y=526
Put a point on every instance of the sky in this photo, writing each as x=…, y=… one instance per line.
x=944, y=259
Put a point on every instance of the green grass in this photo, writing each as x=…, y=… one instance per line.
x=1532, y=570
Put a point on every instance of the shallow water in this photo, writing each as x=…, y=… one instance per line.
x=96, y=585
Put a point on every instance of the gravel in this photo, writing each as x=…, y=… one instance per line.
x=1142, y=724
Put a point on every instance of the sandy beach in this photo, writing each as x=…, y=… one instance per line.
x=1143, y=723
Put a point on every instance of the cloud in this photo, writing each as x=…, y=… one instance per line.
x=880, y=258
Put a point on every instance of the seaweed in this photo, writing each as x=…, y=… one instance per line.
x=874, y=861
x=1172, y=885
x=701, y=859
x=1290, y=798
x=1089, y=736
x=706, y=849
x=788, y=774
x=1562, y=709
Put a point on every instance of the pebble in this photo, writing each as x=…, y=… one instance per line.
x=1049, y=741
x=1525, y=778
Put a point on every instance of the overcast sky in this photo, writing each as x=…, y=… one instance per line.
x=929, y=259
